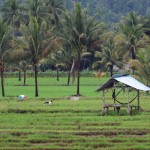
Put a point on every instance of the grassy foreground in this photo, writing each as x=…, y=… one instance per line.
x=69, y=124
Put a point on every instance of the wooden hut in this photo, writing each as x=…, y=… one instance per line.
x=122, y=81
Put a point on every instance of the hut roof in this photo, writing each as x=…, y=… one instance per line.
x=126, y=79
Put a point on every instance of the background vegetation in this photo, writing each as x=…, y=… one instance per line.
x=111, y=11
x=73, y=36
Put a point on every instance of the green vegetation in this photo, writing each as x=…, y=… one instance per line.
x=69, y=124
x=45, y=47
x=111, y=11
x=50, y=87
x=49, y=35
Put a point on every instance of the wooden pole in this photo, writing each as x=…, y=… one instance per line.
x=114, y=95
x=128, y=102
x=103, y=107
x=138, y=98
x=103, y=97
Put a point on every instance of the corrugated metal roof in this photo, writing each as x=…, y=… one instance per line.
x=130, y=81
x=127, y=80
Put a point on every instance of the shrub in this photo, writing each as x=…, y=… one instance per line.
x=50, y=73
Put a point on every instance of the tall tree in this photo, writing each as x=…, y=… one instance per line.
x=68, y=56
x=36, y=36
x=110, y=55
x=78, y=28
x=132, y=26
x=54, y=10
x=142, y=65
x=35, y=8
x=11, y=13
x=56, y=59
x=5, y=46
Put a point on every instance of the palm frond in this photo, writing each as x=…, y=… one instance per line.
x=96, y=64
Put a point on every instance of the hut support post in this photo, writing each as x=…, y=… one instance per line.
x=103, y=97
x=128, y=107
x=129, y=111
x=114, y=96
x=138, y=100
x=103, y=107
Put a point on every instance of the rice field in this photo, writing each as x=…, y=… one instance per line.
x=69, y=124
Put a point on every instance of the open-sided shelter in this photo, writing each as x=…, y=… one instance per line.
x=123, y=81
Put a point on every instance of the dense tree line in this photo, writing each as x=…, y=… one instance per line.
x=47, y=32
x=111, y=11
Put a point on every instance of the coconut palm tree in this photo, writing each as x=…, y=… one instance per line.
x=36, y=36
x=18, y=55
x=17, y=69
x=35, y=8
x=11, y=12
x=78, y=28
x=142, y=65
x=54, y=10
x=68, y=55
x=5, y=46
x=147, y=26
x=132, y=26
x=109, y=55
x=56, y=60
x=144, y=68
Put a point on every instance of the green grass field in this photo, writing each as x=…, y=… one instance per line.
x=68, y=124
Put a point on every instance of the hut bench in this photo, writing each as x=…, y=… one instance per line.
x=105, y=107
x=117, y=108
x=131, y=108
x=135, y=107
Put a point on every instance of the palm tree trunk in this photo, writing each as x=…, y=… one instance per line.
x=147, y=85
x=36, y=83
x=73, y=71
x=78, y=74
x=19, y=75
x=57, y=74
x=68, y=76
x=133, y=55
x=24, y=78
x=73, y=76
x=133, y=70
x=111, y=70
x=2, y=83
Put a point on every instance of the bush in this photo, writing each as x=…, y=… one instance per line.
x=49, y=73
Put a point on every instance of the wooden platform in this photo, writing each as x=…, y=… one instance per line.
x=117, y=108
